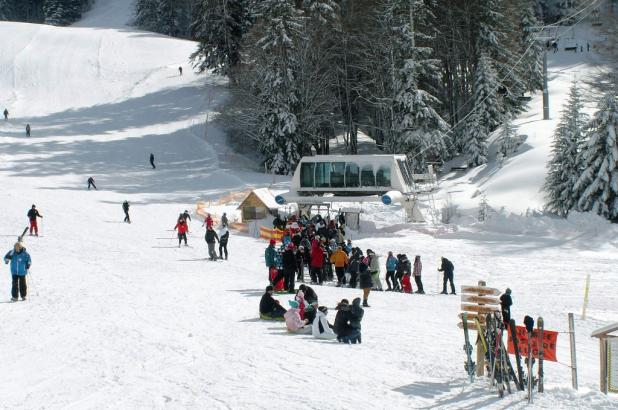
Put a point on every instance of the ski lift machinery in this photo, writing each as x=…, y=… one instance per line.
x=387, y=179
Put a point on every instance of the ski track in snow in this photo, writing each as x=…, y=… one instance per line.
x=119, y=317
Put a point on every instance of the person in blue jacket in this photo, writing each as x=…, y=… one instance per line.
x=391, y=266
x=270, y=255
x=20, y=263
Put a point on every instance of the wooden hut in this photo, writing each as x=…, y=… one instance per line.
x=258, y=205
x=608, y=341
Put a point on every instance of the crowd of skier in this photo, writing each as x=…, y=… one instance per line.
x=320, y=247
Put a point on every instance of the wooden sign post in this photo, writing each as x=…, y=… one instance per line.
x=477, y=301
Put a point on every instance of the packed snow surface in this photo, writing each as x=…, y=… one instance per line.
x=119, y=317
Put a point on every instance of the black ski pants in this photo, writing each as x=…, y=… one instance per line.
x=126, y=216
x=390, y=278
x=19, y=287
x=340, y=275
x=316, y=275
x=419, y=284
x=288, y=278
x=398, y=284
x=182, y=236
x=353, y=279
x=222, y=250
x=91, y=184
x=448, y=277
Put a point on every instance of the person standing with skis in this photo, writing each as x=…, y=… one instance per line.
x=125, y=208
x=91, y=183
x=28, y=130
x=182, y=227
x=6, y=114
x=448, y=268
x=152, y=161
x=33, y=213
x=20, y=264
x=211, y=238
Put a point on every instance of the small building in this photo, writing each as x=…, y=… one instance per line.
x=258, y=205
x=608, y=349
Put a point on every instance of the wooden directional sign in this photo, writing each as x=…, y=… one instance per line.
x=479, y=308
x=487, y=300
x=480, y=290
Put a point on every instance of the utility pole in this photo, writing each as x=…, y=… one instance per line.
x=412, y=23
x=545, y=88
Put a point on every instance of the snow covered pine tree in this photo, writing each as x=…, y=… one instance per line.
x=565, y=166
x=598, y=184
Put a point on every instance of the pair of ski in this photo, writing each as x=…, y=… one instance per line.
x=498, y=364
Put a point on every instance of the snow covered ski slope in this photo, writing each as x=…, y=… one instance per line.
x=119, y=317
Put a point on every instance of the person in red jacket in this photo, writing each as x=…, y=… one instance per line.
x=208, y=221
x=183, y=228
x=317, y=261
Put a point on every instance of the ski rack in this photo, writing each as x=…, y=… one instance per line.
x=476, y=301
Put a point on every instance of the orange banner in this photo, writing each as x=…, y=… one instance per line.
x=550, y=338
x=269, y=234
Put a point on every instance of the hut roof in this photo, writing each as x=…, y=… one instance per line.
x=265, y=195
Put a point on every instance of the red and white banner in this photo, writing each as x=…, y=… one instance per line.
x=550, y=338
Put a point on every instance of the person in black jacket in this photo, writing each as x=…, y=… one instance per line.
x=186, y=216
x=341, y=326
x=91, y=183
x=300, y=264
x=356, y=315
x=354, y=266
x=310, y=295
x=223, y=243
x=448, y=269
x=33, y=213
x=211, y=238
x=288, y=273
x=125, y=208
x=269, y=306
x=505, y=303
x=152, y=160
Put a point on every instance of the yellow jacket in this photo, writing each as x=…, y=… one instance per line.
x=339, y=258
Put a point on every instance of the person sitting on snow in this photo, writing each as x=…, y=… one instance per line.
x=293, y=321
x=321, y=329
x=310, y=295
x=270, y=308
